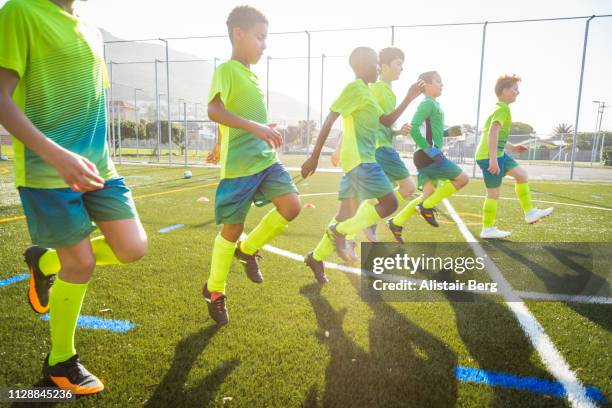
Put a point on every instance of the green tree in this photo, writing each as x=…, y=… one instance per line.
x=520, y=128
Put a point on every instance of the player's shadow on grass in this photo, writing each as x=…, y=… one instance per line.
x=494, y=339
x=171, y=390
x=572, y=199
x=406, y=366
x=582, y=281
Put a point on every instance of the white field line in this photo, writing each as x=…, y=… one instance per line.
x=396, y=278
x=501, y=198
x=553, y=360
x=593, y=207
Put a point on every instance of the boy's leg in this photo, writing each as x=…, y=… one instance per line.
x=124, y=239
x=222, y=255
x=223, y=251
x=489, y=212
x=287, y=208
x=325, y=247
x=367, y=215
x=443, y=190
x=446, y=189
x=275, y=186
x=405, y=189
x=65, y=305
x=368, y=181
x=521, y=188
x=489, y=208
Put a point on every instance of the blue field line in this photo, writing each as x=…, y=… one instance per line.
x=13, y=279
x=93, y=322
x=171, y=228
x=504, y=380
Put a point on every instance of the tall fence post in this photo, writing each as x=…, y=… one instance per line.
x=119, y=134
x=112, y=101
x=308, y=99
x=482, y=55
x=168, y=100
x=392, y=35
x=584, y=49
x=185, y=125
x=157, y=108
x=322, y=84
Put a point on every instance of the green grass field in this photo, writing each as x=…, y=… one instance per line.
x=291, y=342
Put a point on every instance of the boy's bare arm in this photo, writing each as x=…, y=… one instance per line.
x=413, y=92
x=310, y=165
x=218, y=113
x=78, y=172
x=492, y=147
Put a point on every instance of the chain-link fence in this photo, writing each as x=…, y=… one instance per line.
x=156, y=81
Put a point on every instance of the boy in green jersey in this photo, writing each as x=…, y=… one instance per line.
x=52, y=82
x=391, y=62
x=364, y=178
x=494, y=143
x=250, y=169
x=437, y=176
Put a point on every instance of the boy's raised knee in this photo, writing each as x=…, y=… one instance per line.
x=132, y=252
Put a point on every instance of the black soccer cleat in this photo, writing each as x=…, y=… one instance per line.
x=428, y=215
x=40, y=285
x=71, y=375
x=395, y=230
x=216, y=305
x=317, y=268
x=339, y=241
x=251, y=267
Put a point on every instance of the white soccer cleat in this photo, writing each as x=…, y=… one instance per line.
x=494, y=233
x=537, y=214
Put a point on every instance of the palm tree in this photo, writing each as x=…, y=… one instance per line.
x=564, y=131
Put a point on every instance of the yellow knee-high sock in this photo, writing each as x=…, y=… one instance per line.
x=222, y=255
x=64, y=307
x=270, y=226
x=407, y=212
x=442, y=191
x=524, y=196
x=49, y=262
x=489, y=211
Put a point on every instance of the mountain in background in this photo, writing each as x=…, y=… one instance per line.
x=188, y=80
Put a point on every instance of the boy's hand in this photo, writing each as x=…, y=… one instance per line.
x=519, y=148
x=78, y=172
x=416, y=89
x=335, y=157
x=271, y=136
x=405, y=130
x=213, y=155
x=309, y=166
x=493, y=166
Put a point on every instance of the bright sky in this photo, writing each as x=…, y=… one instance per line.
x=547, y=55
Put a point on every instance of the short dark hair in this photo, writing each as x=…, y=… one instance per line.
x=389, y=54
x=428, y=76
x=357, y=56
x=244, y=17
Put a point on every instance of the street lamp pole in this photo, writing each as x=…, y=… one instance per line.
x=136, y=116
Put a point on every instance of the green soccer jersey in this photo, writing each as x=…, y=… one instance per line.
x=360, y=120
x=62, y=77
x=502, y=116
x=386, y=99
x=428, y=114
x=242, y=153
